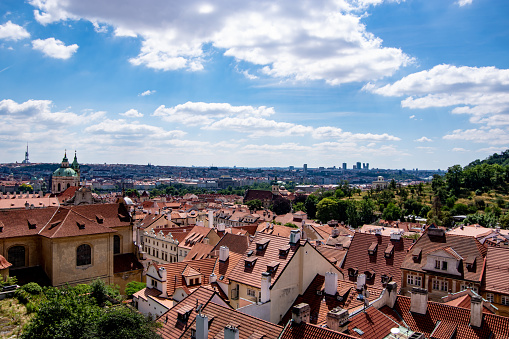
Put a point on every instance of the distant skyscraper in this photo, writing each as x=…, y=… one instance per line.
x=26, y=157
x=305, y=169
x=358, y=165
x=344, y=165
x=367, y=165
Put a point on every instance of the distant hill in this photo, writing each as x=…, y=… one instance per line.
x=501, y=159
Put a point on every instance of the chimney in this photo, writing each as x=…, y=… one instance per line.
x=335, y=232
x=211, y=219
x=202, y=326
x=361, y=281
x=221, y=227
x=163, y=275
x=419, y=300
x=294, y=237
x=224, y=253
x=337, y=319
x=231, y=332
x=331, y=283
x=212, y=278
x=476, y=311
x=265, y=287
x=392, y=291
x=301, y=313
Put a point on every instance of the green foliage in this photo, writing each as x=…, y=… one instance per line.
x=483, y=219
x=22, y=296
x=69, y=313
x=32, y=288
x=133, y=287
x=8, y=281
x=311, y=205
x=292, y=225
x=299, y=206
x=327, y=209
x=391, y=212
x=103, y=293
x=26, y=188
x=281, y=206
x=254, y=205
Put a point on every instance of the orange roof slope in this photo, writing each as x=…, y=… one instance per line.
x=447, y=318
x=261, y=259
x=18, y=223
x=359, y=258
x=235, y=243
x=175, y=272
x=497, y=269
x=4, y=263
x=466, y=247
x=303, y=330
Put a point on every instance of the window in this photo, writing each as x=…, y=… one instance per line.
x=116, y=244
x=83, y=255
x=444, y=265
x=16, y=256
x=251, y=292
x=464, y=286
x=413, y=279
x=154, y=283
x=505, y=300
x=490, y=297
x=437, y=264
x=440, y=285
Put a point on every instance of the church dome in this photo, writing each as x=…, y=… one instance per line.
x=65, y=172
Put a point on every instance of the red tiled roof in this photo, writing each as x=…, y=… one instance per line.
x=358, y=256
x=235, y=243
x=199, y=251
x=463, y=246
x=372, y=322
x=304, y=330
x=320, y=305
x=15, y=222
x=249, y=327
x=223, y=269
x=171, y=326
x=175, y=272
x=252, y=275
x=146, y=292
x=497, y=270
x=4, y=263
x=493, y=326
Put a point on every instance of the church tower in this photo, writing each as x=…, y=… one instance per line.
x=65, y=176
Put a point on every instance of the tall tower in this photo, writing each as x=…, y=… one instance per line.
x=26, y=157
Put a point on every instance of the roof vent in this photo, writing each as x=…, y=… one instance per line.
x=372, y=248
x=81, y=225
x=99, y=218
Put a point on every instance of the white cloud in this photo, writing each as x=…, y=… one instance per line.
x=100, y=28
x=10, y=31
x=495, y=136
x=121, y=129
x=462, y=3
x=147, y=92
x=459, y=149
x=54, y=48
x=132, y=113
x=295, y=40
x=480, y=92
x=412, y=117
x=423, y=139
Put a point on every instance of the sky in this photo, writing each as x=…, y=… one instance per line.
x=396, y=84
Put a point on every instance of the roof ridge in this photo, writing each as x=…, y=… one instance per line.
x=59, y=226
x=53, y=215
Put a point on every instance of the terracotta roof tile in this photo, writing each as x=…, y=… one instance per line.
x=235, y=243
x=372, y=322
x=303, y=330
x=15, y=222
x=4, y=263
x=252, y=276
x=146, y=292
x=358, y=256
x=458, y=246
x=199, y=251
x=497, y=270
x=175, y=272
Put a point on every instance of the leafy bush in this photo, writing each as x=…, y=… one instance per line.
x=32, y=288
x=22, y=296
x=133, y=287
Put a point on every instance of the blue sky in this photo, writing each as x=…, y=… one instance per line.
x=398, y=84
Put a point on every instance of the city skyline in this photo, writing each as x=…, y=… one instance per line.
x=396, y=84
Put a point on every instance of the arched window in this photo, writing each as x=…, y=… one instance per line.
x=68, y=185
x=59, y=187
x=83, y=255
x=116, y=244
x=16, y=256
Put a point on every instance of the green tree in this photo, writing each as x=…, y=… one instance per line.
x=366, y=209
x=125, y=323
x=26, y=188
x=133, y=287
x=281, y=206
x=311, y=205
x=391, y=212
x=327, y=209
x=454, y=178
x=299, y=206
x=254, y=205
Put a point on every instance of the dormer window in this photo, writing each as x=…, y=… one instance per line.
x=32, y=224
x=81, y=225
x=369, y=274
x=470, y=262
x=353, y=271
x=272, y=267
x=389, y=251
x=283, y=251
x=385, y=279
x=99, y=218
x=372, y=249
x=262, y=244
x=249, y=262
x=416, y=254
x=184, y=312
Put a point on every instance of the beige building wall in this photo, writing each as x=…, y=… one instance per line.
x=32, y=246
x=296, y=278
x=64, y=253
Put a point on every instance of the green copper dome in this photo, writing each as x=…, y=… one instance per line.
x=65, y=172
